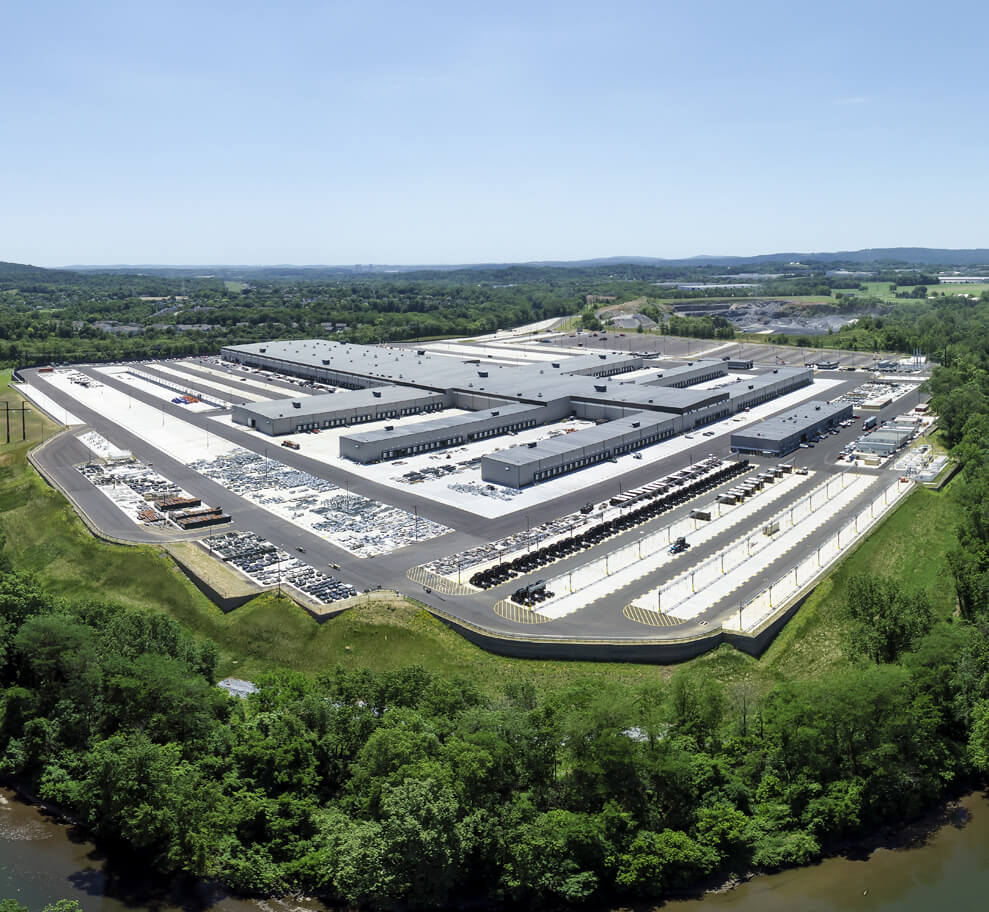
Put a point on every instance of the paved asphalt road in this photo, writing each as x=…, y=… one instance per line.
x=601, y=619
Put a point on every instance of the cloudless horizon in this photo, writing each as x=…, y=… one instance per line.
x=440, y=132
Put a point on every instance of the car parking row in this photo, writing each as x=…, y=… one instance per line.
x=269, y=566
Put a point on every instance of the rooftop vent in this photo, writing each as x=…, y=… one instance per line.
x=326, y=360
x=376, y=394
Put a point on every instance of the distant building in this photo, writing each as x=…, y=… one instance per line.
x=632, y=321
x=237, y=687
x=121, y=329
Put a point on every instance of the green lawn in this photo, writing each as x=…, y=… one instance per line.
x=886, y=291
x=44, y=537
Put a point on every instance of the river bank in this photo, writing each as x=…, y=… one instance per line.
x=943, y=858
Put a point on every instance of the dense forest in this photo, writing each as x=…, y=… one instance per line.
x=389, y=788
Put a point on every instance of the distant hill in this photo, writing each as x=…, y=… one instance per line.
x=12, y=273
x=886, y=256
x=909, y=256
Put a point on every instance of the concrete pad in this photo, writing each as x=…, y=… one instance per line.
x=124, y=375
x=194, y=381
x=48, y=405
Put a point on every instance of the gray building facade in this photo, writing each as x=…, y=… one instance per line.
x=291, y=416
x=784, y=433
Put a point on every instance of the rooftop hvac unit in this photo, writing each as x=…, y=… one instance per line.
x=600, y=388
x=376, y=394
x=482, y=373
x=296, y=405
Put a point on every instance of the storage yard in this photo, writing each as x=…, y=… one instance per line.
x=536, y=495
x=351, y=522
x=267, y=566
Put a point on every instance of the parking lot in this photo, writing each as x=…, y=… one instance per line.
x=268, y=566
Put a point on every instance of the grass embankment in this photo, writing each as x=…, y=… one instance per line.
x=46, y=538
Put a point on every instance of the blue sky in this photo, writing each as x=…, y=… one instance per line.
x=436, y=132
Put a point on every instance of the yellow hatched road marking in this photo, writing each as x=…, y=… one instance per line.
x=651, y=618
x=507, y=609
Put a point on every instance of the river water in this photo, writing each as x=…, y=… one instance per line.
x=949, y=871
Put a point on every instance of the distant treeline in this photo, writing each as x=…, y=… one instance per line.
x=56, y=316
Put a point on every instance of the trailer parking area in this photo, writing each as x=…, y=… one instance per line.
x=623, y=566
x=701, y=586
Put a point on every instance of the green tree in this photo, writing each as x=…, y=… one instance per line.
x=885, y=620
x=658, y=862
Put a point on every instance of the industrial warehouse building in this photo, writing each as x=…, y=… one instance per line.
x=689, y=374
x=289, y=416
x=396, y=442
x=521, y=466
x=784, y=433
x=518, y=467
x=886, y=441
x=383, y=383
